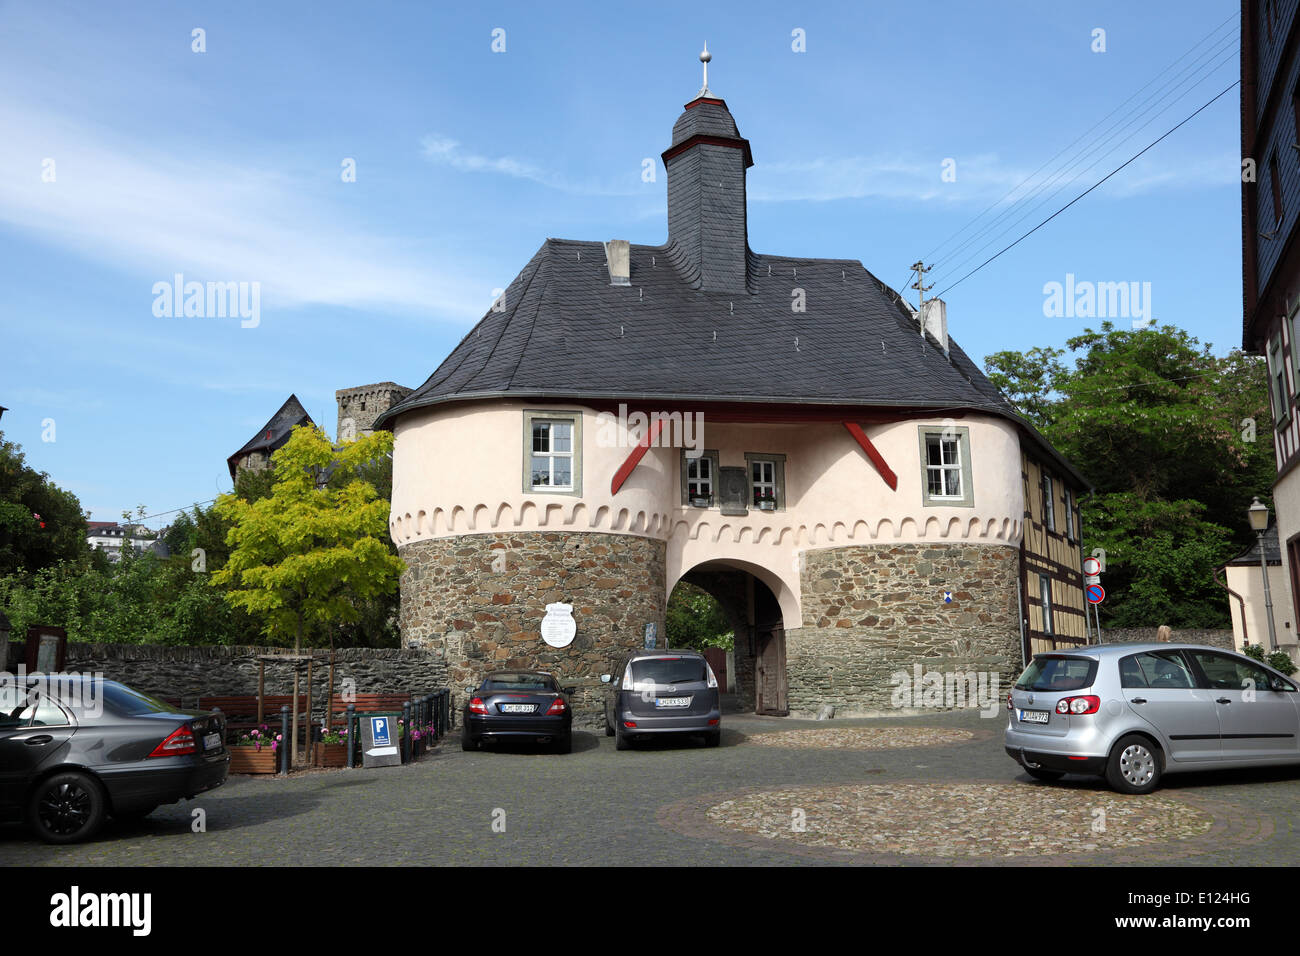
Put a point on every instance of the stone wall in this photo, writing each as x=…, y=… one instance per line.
x=871, y=611
x=478, y=601
x=216, y=670
x=1214, y=637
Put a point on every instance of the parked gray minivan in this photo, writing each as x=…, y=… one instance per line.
x=1134, y=712
x=663, y=692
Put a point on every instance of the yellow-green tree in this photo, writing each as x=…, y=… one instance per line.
x=303, y=557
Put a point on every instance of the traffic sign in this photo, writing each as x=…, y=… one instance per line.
x=1095, y=593
x=1092, y=579
x=1091, y=566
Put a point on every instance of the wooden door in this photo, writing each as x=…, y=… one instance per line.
x=769, y=674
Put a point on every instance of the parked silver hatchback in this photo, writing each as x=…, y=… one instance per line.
x=1134, y=712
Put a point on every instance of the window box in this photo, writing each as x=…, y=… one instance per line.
x=766, y=504
x=701, y=502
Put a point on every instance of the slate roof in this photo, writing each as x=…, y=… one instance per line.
x=1272, y=549
x=274, y=433
x=565, y=332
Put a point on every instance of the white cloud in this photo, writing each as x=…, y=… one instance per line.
x=444, y=151
x=157, y=213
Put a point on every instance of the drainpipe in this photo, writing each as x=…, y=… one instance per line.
x=1245, y=628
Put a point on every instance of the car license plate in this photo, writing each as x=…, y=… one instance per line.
x=518, y=708
x=672, y=702
x=212, y=742
x=1035, y=716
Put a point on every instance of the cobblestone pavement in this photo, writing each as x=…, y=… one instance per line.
x=951, y=802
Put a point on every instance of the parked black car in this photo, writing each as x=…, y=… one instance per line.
x=663, y=692
x=518, y=705
x=75, y=749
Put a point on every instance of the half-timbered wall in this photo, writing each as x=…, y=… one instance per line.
x=1056, y=554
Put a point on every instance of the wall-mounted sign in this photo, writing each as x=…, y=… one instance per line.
x=947, y=597
x=651, y=635
x=46, y=649
x=558, y=626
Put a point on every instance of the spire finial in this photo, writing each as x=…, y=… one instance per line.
x=705, y=57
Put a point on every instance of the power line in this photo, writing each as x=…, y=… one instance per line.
x=1163, y=73
x=1112, y=134
x=1126, y=162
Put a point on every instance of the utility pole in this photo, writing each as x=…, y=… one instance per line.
x=921, y=269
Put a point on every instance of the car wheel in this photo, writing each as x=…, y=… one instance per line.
x=1041, y=773
x=468, y=743
x=66, y=807
x=609, y=729
x=564, y=745
x=621, y=742
x=713, y=739
x=1134, y=765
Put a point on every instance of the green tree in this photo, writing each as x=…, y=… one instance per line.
x=1175, y=440
x=302, y=558
x=40, y=523
x=695, y=619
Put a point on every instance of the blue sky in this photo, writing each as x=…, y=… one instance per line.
x=226, y=166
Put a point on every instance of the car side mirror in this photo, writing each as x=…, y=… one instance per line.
x=604, y=678
x=1278, y=684
x=469, y=690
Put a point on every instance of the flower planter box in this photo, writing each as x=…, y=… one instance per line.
x=699, y=502
x=252, y=760
x=329, y=755
x=767, y=506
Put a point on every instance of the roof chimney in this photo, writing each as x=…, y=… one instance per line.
x=934, y=319
x=618, y=255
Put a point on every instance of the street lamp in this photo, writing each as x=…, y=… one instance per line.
x=1258, y=512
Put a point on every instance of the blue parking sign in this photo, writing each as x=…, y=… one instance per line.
x=379, y=731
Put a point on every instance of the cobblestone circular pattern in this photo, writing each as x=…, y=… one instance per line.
x=976, y=823
x=863, y=738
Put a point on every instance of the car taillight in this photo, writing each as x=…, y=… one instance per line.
x=476, y=706
x=557, y=707
x=1078, y=706
x=712, y=679
x=628, y=682
x=1009, y=707
x=178, y=743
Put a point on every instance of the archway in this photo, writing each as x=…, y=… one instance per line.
x=755, y=668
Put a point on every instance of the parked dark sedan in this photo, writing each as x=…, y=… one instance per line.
x=518, y=705
x=75, y=749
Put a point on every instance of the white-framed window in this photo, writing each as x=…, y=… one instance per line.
x=1049, y=503
x=552, y=452
x=945, y=467
x=766, y=480
x=1045, y=596
x=762, y=480
x=552, y=455
x=1069, y=515
x=701, y=480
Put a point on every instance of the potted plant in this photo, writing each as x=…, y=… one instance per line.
x=255, y=751
x=765, y=500
x=332, y=748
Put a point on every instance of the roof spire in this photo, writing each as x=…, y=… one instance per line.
x=705, y=57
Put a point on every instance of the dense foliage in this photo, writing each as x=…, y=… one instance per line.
x=40, y=523
x=694, y=619
x=1175, y=440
